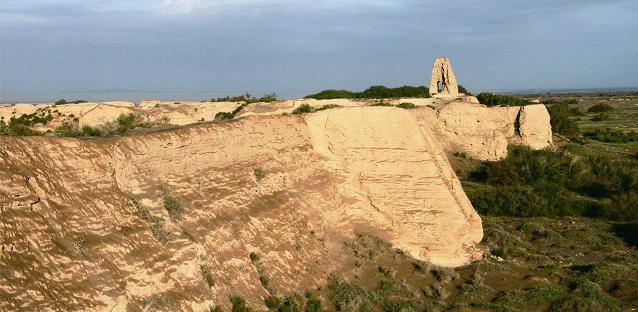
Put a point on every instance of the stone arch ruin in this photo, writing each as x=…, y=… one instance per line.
x=443, y=80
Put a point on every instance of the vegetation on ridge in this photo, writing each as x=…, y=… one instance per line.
x=374, y=92
x=491, y=99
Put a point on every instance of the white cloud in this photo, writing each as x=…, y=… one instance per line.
x=180, y=7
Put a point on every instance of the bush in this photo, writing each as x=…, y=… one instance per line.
x=332, y=94
x=575, y=111
x=382, y=92
x=129, y=121
x=464, y=91
x=206, y=273
x=254, y=257
x=302, y=109
x=547, y=183
x=238, y=304
x=600, y=107
x=374, y=92
x=491, y=99
x=406, y=105
x=560, y=121
x=347, y=297
x=63, y=101
x=259, y=174
x=67, y=129
x=327, y=106
x=90, y=131
x=21, y=126
x=227, y=116
x=600, y=117
x=612, y=136
x=173, y=206
x=247, y=98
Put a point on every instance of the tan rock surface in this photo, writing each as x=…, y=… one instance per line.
x=534, y=126
x=443, y=78
x=484, y=133
x=397, y=180
x=75, y=238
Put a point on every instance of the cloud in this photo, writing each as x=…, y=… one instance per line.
x=183, y=7
x=178, y=6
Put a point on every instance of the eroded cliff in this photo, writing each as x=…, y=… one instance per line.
x=111, y=223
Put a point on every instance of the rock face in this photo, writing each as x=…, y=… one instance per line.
x=484, y=133
x=443, y=81
x=535, y=129
x=93, y=224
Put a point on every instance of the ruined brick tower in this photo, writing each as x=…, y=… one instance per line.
x=443, y=80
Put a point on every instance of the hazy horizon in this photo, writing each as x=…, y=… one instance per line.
x=66, y=48
x=140, y=95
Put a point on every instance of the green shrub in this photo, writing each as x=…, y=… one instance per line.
x=347, y=297
x=157, y=229
x=21, y=126
x=554, y=183
x=173, y=206
x=622, y=207
x=254, y=257
x=575, y=111
x=382, y=92
x=382, y=103
x=600, y=117
x=128, y=121
x=600, y=107
x=156, y=223
x=90, y=131
x=63, y=101
x=327, y=106
x=259, y=174
x=238, y=304
x=263, y=279
x=406, y=105
x=332, y=94
x=246, y=98
x=206, y=273
x=374, y=92
x=293, y=303
x=612, y=136
x=67, y=129
x=227, y=116
x=560, y=121
x=491, y=99
x=223, y=116
x=302, y=109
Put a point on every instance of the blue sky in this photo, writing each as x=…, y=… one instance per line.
x=294, y=48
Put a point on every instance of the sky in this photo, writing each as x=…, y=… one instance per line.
x=205, y=48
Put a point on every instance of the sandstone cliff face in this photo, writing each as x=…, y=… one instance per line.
x=459, y=123
x=84, y=224
x=484, y=133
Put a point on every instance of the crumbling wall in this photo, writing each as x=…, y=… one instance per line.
x=443, y=74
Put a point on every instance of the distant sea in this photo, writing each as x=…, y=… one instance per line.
x=140, y=95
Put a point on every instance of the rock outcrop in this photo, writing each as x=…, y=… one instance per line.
x=93, y=224
x=484, y=133
x=443, y=81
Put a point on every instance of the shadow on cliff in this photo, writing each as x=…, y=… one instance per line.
x=628, y=232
